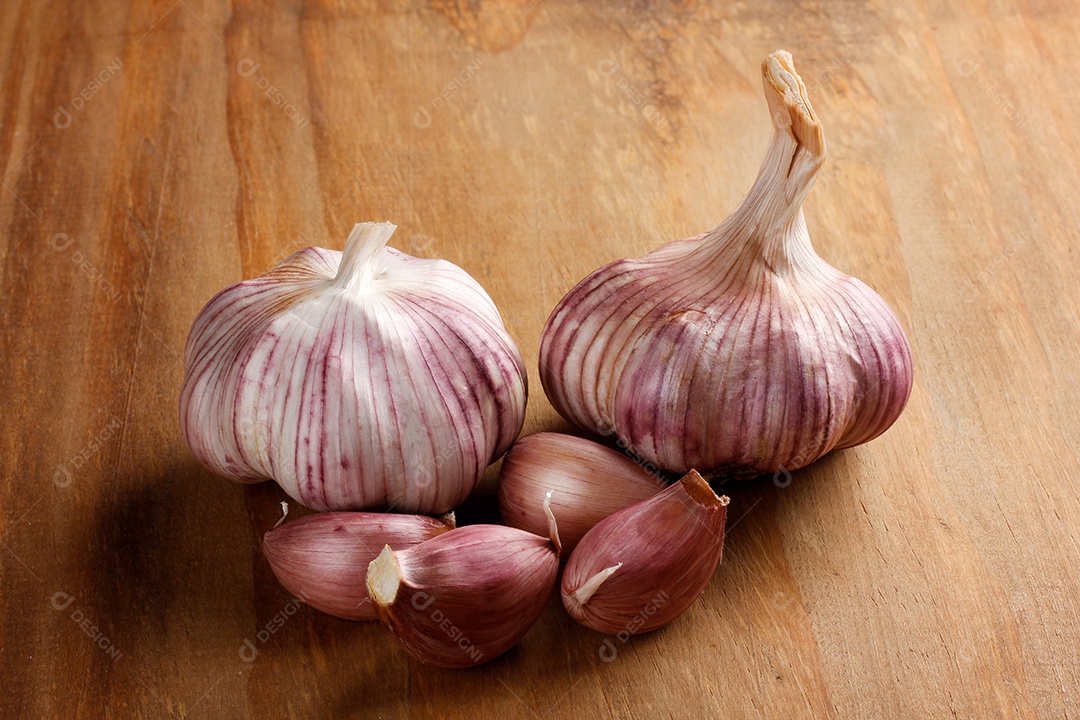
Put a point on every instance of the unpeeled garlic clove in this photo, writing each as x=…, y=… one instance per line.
x=739, y=351
x=587, y=482
x=357, y=380
x=322, y=559
x=644, y=566
x=467, y=596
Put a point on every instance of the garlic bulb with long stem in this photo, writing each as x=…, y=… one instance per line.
x=367, y=379
x=739, y=351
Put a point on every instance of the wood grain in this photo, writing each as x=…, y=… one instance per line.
x=155, y=152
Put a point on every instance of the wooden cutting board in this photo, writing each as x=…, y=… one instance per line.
x=156, y=152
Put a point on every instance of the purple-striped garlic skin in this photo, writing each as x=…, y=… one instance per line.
x=323, y=558
x=581, y=481
x=739, y=351
x=466, y=596
x=367, y=379
x=644, y=566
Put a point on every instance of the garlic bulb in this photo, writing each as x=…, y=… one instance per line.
x=586, y=482
x=323, y=558
x=644, y=566
x=740, y=351
x=467, y=596
x=356, y=380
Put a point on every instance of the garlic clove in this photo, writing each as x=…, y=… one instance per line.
x=464, y=597
x=644, y=566
x=322, y=559
x=739, y=351
x=365, y=379
x=587, y=482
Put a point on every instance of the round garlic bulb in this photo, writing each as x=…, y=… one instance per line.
x=367, y=379
x=739, y=351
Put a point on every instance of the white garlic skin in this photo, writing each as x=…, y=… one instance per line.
x=739, y=351
x=367, y=379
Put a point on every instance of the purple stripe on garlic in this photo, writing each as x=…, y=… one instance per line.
x=466, y=596
x=739, y=351
x=659, y=553
x=576, y=480
x=358, y=380
x=323, y=558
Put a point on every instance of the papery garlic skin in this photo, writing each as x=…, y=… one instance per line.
x=465, y=597
x=367, y=379
x=644, y=566
x=739, y=351
x=587, y=481
x=322, y=559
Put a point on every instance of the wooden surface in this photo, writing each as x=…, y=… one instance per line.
x=934, y=572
